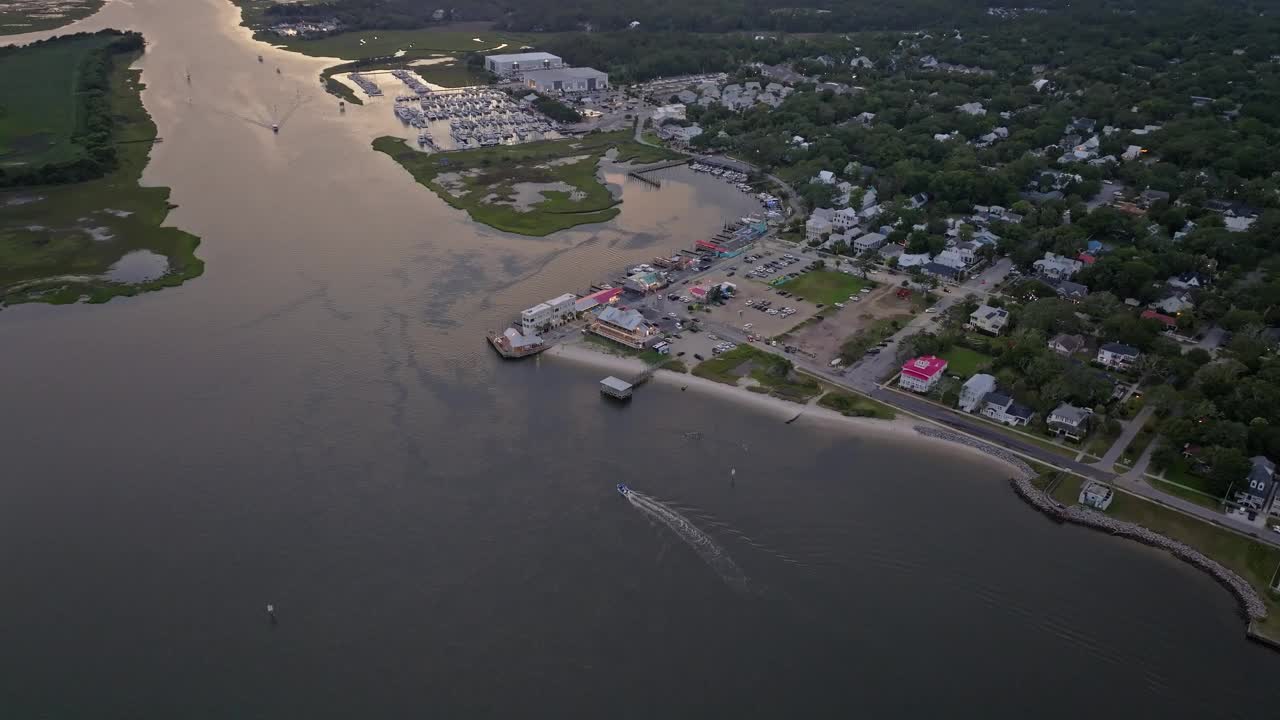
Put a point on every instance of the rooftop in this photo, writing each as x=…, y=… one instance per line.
x=523, y=57
x=925, y=366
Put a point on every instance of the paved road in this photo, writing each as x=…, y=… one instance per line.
x=1131, y=482
x=1130, y=431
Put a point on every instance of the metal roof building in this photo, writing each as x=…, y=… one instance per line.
x=517, y=63
x=566, y=80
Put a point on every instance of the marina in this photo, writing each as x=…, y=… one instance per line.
x=467, y=118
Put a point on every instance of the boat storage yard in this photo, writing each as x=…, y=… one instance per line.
x=460, y=118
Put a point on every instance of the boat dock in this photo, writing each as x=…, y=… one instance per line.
x=616, y=388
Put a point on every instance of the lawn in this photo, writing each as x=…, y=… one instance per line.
x=775, y=375
x=56, y=241
x=420, y=43
x=827, y=287
x=452, y=74
x=38, y=105
x=16, y=19
x=479, y=181
x=856, y=405
x=964, y=362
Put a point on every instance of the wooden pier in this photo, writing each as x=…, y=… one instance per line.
x=642, y=178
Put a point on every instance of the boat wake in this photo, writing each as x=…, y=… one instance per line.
x=706, y=548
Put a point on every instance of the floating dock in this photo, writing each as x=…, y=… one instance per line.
x=616, y=388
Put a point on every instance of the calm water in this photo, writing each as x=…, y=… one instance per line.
x=317, y=423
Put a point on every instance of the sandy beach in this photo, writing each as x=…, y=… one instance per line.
x=901, y=429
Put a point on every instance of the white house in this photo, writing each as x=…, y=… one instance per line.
x=951, y=258
x=845, y=219
x=990, y=319
x=1003, y=409
x=1118, y=355
x=906, y=260
x=972, y=108
x=869, y=241
x=1057, y=267
x=826, y=177
x=818, y=224
x=974, y=390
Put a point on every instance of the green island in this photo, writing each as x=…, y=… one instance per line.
x=24, y=16
x=72, y=154
x=531, y=189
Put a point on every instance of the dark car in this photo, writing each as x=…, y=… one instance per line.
x=696, y=356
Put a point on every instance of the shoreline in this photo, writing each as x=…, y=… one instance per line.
x=900, y=429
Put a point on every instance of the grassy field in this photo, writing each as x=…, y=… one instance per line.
x=856, y=405
x=57, y=241
x=964, y=362
x=454, y=73
x=826, y=286
x=16, y=18
x=856, y=346
x=378, y=43
x=774, y=374
x=482, y=181
x=38, y=108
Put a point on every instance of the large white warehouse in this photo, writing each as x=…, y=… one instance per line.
x=566, y=80
x=517, y=63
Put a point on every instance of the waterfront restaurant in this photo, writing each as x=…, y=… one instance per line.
x=627, y=327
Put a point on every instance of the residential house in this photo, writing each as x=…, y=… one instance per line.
x=1118, y=356
x=943, y=272
x=989, y=319
x=972, y=108
x=1260, y=485
x=1069, y=421
x=627, y=327
x=1057, y=267
x=1133, y=152
x=922, y=374
x=545, y=315
x=1003, y=409
x=974, y=390
x=869, y=241
x=1175, y=304
x=909, y=260
x=1188, y=281
x=1170, y=324
x=952, y=258
x=818, y=224
x=1040, y=84
x=1068, y=290
x=1065, y=344
x=890, y=251
x=825, y=177
x=845, y=219
x=1150, y=197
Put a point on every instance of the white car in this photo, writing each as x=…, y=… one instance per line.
x=864, y=291
x=672, y=315
x=748, y=326
x=684, y=298
x=839, y=305
x=772, y=311
x=931, y=310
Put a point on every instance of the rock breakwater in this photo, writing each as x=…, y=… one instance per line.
x=988, y=448
x=1250, y=603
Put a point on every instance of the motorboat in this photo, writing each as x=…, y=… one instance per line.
x=623, y=490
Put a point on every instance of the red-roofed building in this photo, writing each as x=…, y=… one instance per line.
x=1086, y=258
x=1168, y=322
x=603, y=297
x=922, y=374
x=698, y=293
